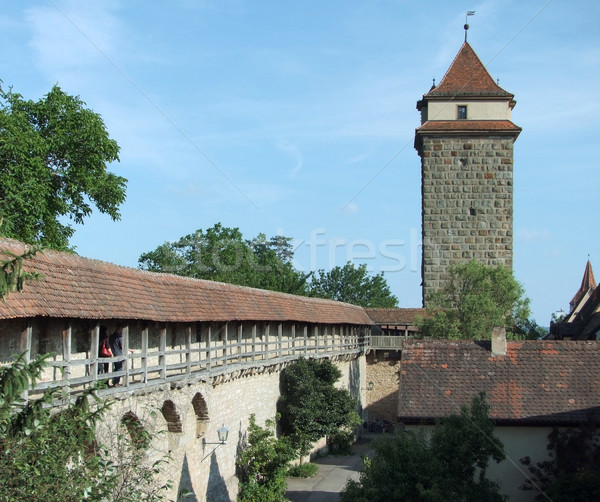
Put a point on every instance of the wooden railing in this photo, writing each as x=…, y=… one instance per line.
x=386, y=342
x=212, y=352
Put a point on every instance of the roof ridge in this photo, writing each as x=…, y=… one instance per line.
x=467, y=75
x=588, y=282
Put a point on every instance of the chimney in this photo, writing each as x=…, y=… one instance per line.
x=499, y=341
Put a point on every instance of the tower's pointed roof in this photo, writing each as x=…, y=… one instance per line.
x=467, y=77
x=587, y=282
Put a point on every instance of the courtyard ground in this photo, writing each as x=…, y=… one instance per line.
x=333, y=473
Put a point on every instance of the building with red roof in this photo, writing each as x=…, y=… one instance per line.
x=465, y=142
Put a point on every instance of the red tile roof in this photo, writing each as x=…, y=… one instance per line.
x=466, y=126
x=537, y=382
x=467, y=77
x=76, y=287
x=395, y=315
x=587, y=282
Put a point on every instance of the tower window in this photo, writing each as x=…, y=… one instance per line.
x=461, y=112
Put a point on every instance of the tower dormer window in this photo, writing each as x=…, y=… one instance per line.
x=461, y=112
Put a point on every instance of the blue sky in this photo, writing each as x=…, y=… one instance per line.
x=298, y=118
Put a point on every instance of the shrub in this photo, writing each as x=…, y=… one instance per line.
x=306, y=470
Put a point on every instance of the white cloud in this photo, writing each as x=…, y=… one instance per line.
x=532, y=234
x=350, y=208
x=295, y=153
x=71, y=36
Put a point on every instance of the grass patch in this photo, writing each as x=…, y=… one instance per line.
x=307, y=470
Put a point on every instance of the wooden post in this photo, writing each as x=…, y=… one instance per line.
x=279, y=339
x=94, y=344
x=162, y=356
x=188, y=351
x=267, y=332
x=145, y=354
x=208, y=351
x=240, y=333
x=254, y=342
x=66, y=355
x=293, y=339
x=225, y=340
x=305, y=334
x=126, y=360
x=25, y=347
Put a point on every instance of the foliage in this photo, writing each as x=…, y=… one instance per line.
x=12, y=275
x=221, y=254
x=262, y=464
x=134, y=478
x=311, y=407
x=53, y=455
x=53, y=165
x=449, y=463
x=306, y=470
x=476, y=299
x=572, y=469
x=352, y=284
x=341, y=441
x=528, y=330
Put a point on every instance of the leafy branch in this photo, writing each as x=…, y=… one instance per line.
x=12, y=274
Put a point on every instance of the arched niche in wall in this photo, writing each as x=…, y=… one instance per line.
x=169, y=411
x=201, y=411
x=137, y=433
x=174, y=424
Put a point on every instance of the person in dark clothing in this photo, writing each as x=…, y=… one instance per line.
x=116, y=346
x=103, y=349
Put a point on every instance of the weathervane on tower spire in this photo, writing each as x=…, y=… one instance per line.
x=469, y=13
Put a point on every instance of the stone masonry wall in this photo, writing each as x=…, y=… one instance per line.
x=382, y=400
x=183, y=421
x=467, y=199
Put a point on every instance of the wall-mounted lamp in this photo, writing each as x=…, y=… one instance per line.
x=370, y=386
x=222, y=434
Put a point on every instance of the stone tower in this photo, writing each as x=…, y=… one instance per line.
x=465, y=142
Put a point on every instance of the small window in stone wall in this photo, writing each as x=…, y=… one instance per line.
x=472, y=211
x=461, y=112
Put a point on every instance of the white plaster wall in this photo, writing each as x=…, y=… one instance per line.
x=518, y=442
x=476, y=110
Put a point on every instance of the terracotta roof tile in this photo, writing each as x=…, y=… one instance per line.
x=395, y=315
x=467, y=77
x=462, y=126
x=76, y=287
x=587, y=282
x=536, y=382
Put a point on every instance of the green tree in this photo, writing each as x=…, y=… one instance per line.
x=448, y=463
x=354, y=285
x=53, y=165
x=572, y=470
x=310, y=405
x=12, y=274
x=53, y=455
x=222, y=254
x=262, y=464
x=476, y=299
